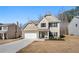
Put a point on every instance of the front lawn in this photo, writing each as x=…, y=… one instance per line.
x=70, y=44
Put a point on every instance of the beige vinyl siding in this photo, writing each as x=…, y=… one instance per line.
x=30, y=27
x=56, y=29
x=43, y=21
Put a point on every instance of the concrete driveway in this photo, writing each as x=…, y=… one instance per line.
x=15, y=46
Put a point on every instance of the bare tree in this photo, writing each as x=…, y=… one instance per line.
x=64, y=22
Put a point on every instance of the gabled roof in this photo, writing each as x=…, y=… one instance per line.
x=32, y=21
x=52, y=18
x=31, y=26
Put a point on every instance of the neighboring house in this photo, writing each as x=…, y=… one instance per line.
x=73, y=27
x=10, y=31
x=43, y=29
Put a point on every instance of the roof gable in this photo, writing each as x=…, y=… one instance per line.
x=30, y=26
x=49, y=18
x=33, y=24
x=52, y=18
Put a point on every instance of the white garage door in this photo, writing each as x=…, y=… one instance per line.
x=31, y=35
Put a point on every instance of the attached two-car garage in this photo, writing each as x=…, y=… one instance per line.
x=30, y=35
x=30, y=31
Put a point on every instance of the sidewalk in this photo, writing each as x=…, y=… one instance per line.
x=15, y=46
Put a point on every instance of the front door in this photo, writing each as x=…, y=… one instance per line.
x=43, y=34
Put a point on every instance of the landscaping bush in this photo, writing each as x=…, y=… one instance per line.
x=51, y=37
x=55, y=38
x=62, y=36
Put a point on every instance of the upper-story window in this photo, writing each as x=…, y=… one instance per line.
x=76, y=25
x=53, y=24
x=55, y=34
x=43, y=24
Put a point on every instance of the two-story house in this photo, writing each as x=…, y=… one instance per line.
x=48, y=27
x=3, y=30
x=9, y=31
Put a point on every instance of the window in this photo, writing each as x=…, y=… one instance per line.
x=53, y=34
x=0, y=28
x=50, y=24
x=50, y=34
x=43, y=24
x=53, y=24
x=76, y=25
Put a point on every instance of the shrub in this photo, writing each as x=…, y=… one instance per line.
x=55, y=38
x=62, y=36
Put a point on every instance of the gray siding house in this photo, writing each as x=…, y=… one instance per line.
x=73, y=27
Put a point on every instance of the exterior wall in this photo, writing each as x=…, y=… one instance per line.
x=23, y=32
x=43, y=21
x=73, y=30
x=56, y=29
x=3, y=30
x=52, y=29
x=19, y=32
x=10, y=31
x=30, y=28
x=47, y=27
x=13, y=32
